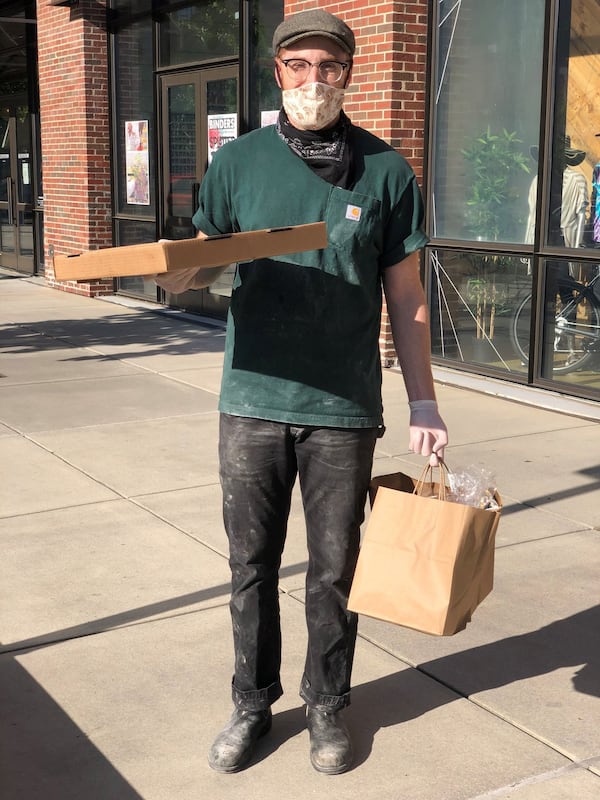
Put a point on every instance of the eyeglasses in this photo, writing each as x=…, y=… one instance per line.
x=299, y=69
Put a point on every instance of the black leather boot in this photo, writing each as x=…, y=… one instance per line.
x=330, y=745
x=233, y=747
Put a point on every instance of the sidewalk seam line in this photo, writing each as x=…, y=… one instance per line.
x=509, y=789
x=478, y=704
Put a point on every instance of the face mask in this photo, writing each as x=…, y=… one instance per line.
x=313, y=106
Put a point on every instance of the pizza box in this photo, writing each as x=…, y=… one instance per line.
x=214, y=253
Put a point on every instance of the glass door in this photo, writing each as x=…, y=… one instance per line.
x=16, y=206
x=199, y=115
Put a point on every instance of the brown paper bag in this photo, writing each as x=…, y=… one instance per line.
x=425, y=563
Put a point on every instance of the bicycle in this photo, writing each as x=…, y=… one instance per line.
x=576, y=324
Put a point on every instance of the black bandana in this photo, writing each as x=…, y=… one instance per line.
x=328, y=152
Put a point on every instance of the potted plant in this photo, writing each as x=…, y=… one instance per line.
x=495, y=165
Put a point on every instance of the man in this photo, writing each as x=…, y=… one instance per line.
x=301, y=391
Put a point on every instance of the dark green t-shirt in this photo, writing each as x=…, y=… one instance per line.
x=302, y=341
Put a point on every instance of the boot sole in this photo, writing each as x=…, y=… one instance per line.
x=331, y=770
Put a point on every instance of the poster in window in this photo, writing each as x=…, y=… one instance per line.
x=137, y=162
x=222, y=128
x=268, y=118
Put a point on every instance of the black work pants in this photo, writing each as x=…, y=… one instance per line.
x=259, y=462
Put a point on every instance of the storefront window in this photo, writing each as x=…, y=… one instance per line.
x=571, y=324
x=528, y=315
x=473, y=309
x=487, y=92
x=265, y=95
x=131, y=231
x=132, y=6
x=574, y=219
x=199, y=32
x=134, y=127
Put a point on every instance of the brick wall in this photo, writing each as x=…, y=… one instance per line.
x=74, y=127
x=387, y=95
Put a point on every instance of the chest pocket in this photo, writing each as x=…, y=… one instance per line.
x=353, y=220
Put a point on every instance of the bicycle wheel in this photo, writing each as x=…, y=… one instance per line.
x=520, y=329
x=575, y=336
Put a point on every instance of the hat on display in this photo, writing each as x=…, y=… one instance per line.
x=314, y=23
x=573, y=157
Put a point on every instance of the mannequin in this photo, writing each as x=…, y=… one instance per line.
x=595, y=205
x=574, y=197
x=574, y=201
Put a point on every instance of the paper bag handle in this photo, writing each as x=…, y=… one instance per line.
x=427, y=478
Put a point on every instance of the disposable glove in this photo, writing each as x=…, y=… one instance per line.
x=175, y=282
x=427, y=431
x=178, y=281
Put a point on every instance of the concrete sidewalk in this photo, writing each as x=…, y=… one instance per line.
x=115, y=643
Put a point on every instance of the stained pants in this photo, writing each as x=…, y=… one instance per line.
x=259, y=462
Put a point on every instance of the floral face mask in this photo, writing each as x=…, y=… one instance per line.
x=313, y=106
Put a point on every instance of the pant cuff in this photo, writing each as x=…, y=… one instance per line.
x=323, y=702
x=257, y=699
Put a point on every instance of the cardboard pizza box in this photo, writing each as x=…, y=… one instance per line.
x=214, y=253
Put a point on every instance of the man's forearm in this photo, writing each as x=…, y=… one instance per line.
x=412, y=343
x=409, y=319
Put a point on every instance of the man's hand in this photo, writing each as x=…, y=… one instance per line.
x=182, y=279
x=428, y=433
x=178, y=281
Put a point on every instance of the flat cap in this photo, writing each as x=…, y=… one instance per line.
x=314, y=23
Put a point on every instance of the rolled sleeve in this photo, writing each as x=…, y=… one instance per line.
x=404, y=229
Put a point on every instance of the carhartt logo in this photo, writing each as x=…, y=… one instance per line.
x=353, y=212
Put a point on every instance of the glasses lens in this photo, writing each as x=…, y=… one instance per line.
x=297, y=68
x=330, y=71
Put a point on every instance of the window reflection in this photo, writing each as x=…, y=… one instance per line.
x=265, y=96
x=474, y=301
x=136, y=232
x=571, y=323
x=181, y=156
x=481, y=314
x=574, y=219
x=487, y=89
x=134, y=113
x=201, y=31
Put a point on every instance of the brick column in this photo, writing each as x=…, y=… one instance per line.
x=75, y=134
x=387, y=95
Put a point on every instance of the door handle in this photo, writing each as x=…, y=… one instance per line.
x=9, y=197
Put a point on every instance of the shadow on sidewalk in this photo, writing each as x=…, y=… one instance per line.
x=34, y=728
x=403, y=696
x=156, y=332
x=134, y=616
x=548, y=498
x=569, y=642
x=43, y=753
